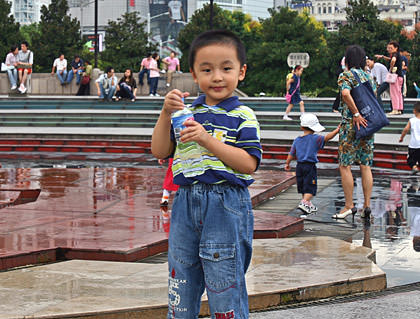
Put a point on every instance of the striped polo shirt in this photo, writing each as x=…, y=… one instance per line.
x=232, y=123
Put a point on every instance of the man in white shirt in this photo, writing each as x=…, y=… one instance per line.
x=107, y=84
x=176, y=16
x=61, y=65
x=379, y=72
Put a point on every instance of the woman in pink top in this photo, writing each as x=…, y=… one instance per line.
x=154, y=74
x=173, y=65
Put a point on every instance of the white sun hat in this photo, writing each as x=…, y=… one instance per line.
x=310, y=120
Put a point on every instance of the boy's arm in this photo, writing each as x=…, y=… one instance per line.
x=234, y=157
x=331, y=135
x=288, y=160
x=406, y=129
x=162, y=146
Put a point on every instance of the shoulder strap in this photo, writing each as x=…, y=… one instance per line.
x=356, y=77
x=297, y=86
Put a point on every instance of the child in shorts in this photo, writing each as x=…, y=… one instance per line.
x=210, y=239
x=305, y=149
x=413, y=126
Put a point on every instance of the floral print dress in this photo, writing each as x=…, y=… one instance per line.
x=350, y=149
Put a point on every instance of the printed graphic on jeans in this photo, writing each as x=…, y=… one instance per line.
x=174, y=297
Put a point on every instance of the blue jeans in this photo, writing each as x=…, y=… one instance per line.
x=125, y=93
x=381, y=89
x=107, y=94
x=12, y=76
x=210, y=247
x=141, y=75
x=153, y=85
x=71, y=75
x=62, y=77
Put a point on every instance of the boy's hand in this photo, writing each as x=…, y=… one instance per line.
x=401, y=139
x=173, y=101
x=161, y=161
x=194, y=132
x=287, y=167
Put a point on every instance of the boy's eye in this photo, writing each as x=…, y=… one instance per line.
x=228, y=68
x=205, y=70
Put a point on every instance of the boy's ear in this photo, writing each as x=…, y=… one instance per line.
x=193, y=75
x=242, y=72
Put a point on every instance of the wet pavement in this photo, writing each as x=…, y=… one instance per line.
x=395, y=220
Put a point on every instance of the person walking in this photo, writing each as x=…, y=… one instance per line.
x=305, y=149
x=395, y=66
x=350, y=149
x=293, y=88
x=154, y=75
x=378, y=71
x=413, y=126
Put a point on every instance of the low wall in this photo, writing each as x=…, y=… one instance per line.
x=47, y=84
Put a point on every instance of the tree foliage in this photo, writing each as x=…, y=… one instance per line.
x=58, y=33
x=286, y=31
x=9, y=29
x=126, y=43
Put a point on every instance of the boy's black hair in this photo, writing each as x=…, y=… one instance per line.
x=25, y=43
x=211, y=37
x=307, y=128
x=76, y=56
x=148, y=54
x=154, y=55
x=417, y=107
x=13, y=48
x=108, y=69
x=355, y=57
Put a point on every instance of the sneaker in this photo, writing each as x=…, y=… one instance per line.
x=287, y=118
x=313, y=208
x=22, y=90
x=304, y=208
x=157, y=94
x=14, y=87
x=133, y=100
x=168, y=85
x=151, y=94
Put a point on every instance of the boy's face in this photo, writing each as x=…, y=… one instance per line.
x=217, y=71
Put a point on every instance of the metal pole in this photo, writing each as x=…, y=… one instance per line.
x=148, y=27
x=211, y=14
x=96, y=34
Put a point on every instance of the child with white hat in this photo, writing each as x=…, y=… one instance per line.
x=305, y=149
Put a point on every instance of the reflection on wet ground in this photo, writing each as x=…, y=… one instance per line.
x=394, y=228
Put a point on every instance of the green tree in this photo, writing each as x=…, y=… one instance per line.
x=126, y=43
x=286, y=31
x=29, y=32
x=9, y=29
x=58, y=33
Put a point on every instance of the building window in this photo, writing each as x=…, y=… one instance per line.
x=324, y=10
x=319, y=10
x=329, y=10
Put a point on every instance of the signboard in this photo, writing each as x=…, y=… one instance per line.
x=294, y=59
x=90, y=42
x=167, y=19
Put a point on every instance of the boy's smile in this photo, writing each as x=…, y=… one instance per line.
x=217, y=71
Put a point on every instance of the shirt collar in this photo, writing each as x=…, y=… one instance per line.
x=229, y=104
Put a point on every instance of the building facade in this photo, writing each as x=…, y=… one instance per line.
x=27, y=11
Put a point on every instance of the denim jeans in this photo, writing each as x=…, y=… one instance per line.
x=381, y=89
x=153, y=85
x=210, y=247
x=12, y=76
x=107, y=94
x=62, y=77
x=141, y=75
x=125, y=93
x=71, y=75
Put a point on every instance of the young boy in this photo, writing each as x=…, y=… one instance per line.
x=210, y=241
x=413, y=126
x=304, y=150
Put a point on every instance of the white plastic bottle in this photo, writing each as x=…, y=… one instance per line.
x=189, y=152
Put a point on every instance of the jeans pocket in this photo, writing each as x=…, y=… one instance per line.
x=219, y=265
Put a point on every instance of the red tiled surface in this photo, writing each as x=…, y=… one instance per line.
x=104, y=214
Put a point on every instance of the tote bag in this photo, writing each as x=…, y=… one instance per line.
x=369, y=108
x=391, y=77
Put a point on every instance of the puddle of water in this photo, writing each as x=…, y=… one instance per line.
x=394, y=231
